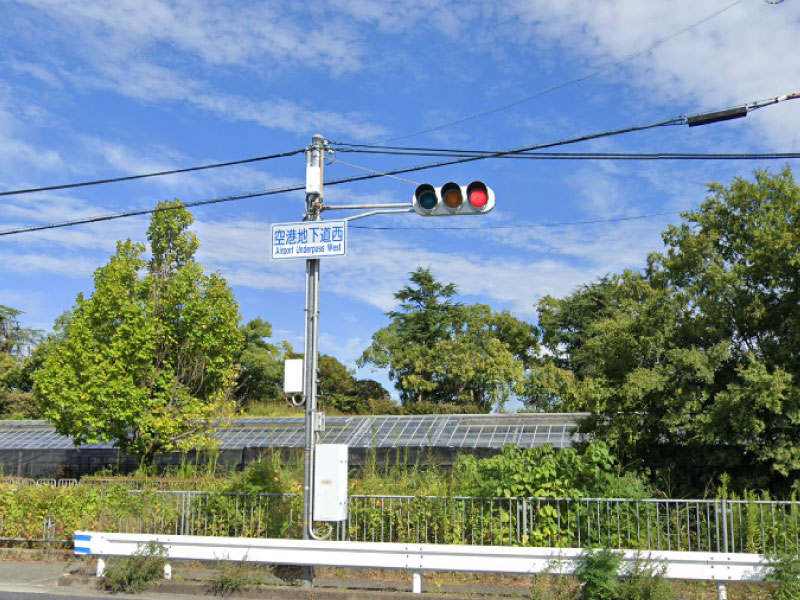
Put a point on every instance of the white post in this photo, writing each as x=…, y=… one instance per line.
x=101, y=566
x=722, y=592
x=416, y=582
x=167, y=572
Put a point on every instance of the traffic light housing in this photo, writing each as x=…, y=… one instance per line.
x=453, y=199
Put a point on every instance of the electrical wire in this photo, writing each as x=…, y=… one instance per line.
x=565, y=84
x=374, y=175
x=67, y=186
x=149, y=211
x=381, y=173
x=579, y=155
x=522, y=225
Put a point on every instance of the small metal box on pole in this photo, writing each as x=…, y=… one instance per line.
x=293, y=376
x=330, y=482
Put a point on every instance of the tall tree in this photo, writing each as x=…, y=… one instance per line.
x=696, y=360
x=16, y=345
x=261, y=376
x=148, y=360
x=340, y=389
x=443, y=354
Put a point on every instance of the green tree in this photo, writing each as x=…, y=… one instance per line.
x=148, y=360
x=340, y=389
x=261, y=376
x=16, y=345
x=693, y=363
x=441, y=353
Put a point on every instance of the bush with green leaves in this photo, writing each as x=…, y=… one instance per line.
x=130, y=574
x=540, y=472
x=230, y=577
x=785, y=572
x=597, y=573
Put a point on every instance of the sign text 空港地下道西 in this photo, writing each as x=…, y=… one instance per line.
x=308, y=239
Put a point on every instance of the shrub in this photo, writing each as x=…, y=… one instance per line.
x=785, y=572
x=646, y=582
x=597, y=573
x=131, y=574
x=230, y=577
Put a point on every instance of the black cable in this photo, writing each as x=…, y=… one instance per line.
x=149, y=211
x=581, y=155
x=66, y=186
x=564, y=84
x=343, y=180
x=523, y=225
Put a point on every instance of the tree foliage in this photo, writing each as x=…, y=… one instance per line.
x=341, y=390
x=696, y=359
x=445, y=354
x=261, y=376
x=16, y=346
x=147, y=361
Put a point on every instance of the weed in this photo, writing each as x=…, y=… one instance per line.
x=230, y=577
x=597, y=573
x=554, y=587
x=646, y=582
x=785, y=572
x=130, y=574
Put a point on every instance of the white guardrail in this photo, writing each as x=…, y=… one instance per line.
x=711, y=566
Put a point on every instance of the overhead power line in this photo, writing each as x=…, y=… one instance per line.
x=275, y=191
x=565, y=84
x=66, y=186
x=579, y=155
x=443, y=163
x=522, y=225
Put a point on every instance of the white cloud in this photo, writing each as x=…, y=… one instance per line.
x=218, y=34
x=15, y=151
x=745, y=53
x=41, y=264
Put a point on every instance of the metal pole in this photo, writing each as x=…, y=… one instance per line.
x=313, y=213
x=722, y=592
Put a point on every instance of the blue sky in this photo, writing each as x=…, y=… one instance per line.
x=93, y=89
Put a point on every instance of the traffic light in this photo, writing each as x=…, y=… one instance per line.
x=452, y=199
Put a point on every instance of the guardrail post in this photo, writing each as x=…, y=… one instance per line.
x=722, y=593
x=416, y=582
x=101, y=566
x=167, y=571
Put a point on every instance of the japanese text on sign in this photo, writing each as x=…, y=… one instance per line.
x=312, y=239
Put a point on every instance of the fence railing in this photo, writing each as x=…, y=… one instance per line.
x=663, y=525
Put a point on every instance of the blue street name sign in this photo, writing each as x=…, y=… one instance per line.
x=308, y=239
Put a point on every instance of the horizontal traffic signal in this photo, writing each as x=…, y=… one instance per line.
x=453, y=199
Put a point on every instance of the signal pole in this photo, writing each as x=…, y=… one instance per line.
x=449, y=200
x=314, y=165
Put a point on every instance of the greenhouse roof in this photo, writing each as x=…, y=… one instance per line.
x=370, y=431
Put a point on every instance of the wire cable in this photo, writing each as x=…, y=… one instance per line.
x=374, y=175
x=522, y=225
x=67, y=186
x=565, y=84
x=381, y=173
x=149, y=211
x=580, y=155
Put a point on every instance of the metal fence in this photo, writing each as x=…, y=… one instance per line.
x=681, y=525
x=665, y=525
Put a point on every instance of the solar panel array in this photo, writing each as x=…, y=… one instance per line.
x=372, y=431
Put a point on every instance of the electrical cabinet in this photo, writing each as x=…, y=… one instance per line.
x=330, y=482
